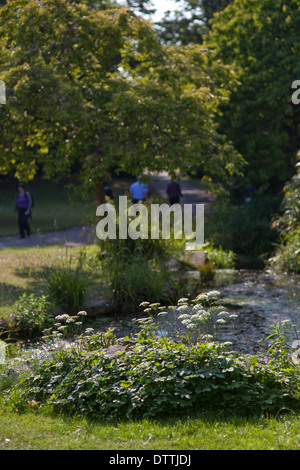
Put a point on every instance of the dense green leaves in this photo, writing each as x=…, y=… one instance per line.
x=156, y=378
x=89, y=89
x=260, y=38
x=287, y=256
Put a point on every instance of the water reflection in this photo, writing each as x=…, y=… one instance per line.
x=261, y=299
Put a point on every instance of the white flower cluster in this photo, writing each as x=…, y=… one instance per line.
x=203, y=313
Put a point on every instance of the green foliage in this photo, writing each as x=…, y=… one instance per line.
x=280, y=349
x=138, y=278
x=260, y=40
x=148, y=248
x=158, y=378
x=67, y=282
x=138, y=270
x=32, y=315
x=287, y=256
x=78, y=77
x=189, y=21
x=244, y=228
x=220, y=258
x=290, y=218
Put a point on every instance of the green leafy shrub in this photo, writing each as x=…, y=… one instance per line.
x=287, y=255
x=244, y=228
x=147, y=248
x=32, y=315
x=159, y=376
x=220, y=258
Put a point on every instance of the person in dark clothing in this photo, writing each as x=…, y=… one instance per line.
x=23, y=205
x=174, y=192
x=108, y=190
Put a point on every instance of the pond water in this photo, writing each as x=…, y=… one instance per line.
x=260, y=299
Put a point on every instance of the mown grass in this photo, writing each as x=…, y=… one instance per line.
x=23, y=270
x=204, y=432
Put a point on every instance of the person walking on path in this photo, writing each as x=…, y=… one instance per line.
x=108, y=191
x=174, y=192
x=139, y=191
x=23, y=205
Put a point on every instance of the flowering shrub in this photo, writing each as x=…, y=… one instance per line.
x=198, y=320
x=156, y=376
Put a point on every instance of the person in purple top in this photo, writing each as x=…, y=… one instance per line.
x=23, y=205
x=174, y=192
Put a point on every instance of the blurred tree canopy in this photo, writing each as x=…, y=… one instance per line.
x=260, y=39
x=89, y=88
x=190, y=21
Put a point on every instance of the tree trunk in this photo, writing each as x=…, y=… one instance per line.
x=99, y=194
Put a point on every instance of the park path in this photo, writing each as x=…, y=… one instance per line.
x=76, y=236
x=79, y=236
x=192, y=194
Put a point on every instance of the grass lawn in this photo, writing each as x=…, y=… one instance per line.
x=204, y=432
x=22, y=270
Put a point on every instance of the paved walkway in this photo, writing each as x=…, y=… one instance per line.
x=191, y=194
x=77, y=236
x=81, y=235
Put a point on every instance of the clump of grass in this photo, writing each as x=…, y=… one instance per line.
x=207, y=272
x=138, y=278
x=67, y=283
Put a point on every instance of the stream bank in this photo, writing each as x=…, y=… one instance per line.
x=260, y=299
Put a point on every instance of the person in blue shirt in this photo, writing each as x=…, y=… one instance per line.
x=23, y=205
x=139, y=191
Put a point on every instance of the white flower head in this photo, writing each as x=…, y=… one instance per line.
x=82, y=313
x=183, y=300
x=182, y=307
